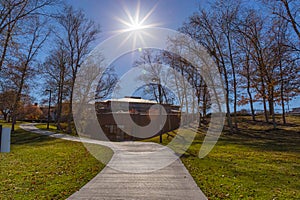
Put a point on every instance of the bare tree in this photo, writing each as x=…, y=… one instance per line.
x=204, y=27
x=76, y=35
x=14, y=12
x=253, y=48
x=265, y=44
x=56, y=73
x=285, y=61
x=287, y=10
x=227, y=16
x=191, y=76
x=21, y=65
x=251, y=28
x=107, y=83
x=246, y=72
x=151, y=62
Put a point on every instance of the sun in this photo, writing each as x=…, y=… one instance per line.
x=136, y=23
x=136, y=26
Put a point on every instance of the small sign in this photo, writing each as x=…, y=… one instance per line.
x=5, y=140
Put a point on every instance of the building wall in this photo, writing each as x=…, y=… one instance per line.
x=139, y=113
x=114, y=133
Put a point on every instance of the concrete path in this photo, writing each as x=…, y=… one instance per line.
x=132, y=174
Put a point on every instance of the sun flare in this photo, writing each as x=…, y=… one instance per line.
x=136, y=26
x=135, y=23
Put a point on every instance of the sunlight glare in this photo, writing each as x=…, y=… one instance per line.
x=133, y=23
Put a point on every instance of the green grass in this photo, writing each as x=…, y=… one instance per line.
x=52, y=127
x=256, y=163
x=41, y=167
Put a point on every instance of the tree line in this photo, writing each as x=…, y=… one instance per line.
x=256, y=51
x=255, y=47
x=31, y=29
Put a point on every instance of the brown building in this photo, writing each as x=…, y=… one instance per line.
x=295, y=111
x=139, y=110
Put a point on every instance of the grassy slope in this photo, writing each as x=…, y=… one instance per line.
x=257, y=163
x=52, y=128
x=40, y=167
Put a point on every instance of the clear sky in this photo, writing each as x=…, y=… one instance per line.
x=166, y=13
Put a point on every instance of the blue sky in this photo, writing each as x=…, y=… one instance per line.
x=168, y=13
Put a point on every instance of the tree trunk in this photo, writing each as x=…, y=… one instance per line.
x=229, y=120
x=18, y=97
x=271, y=104
x=264, y=100
x=60, y=96
x=5, y=116
x=291, y=20
x=282, y=93
x=248, y=89
x=251, y=104
x=69, y=130
x=234, y=81
x=204, y=102
x=265, y=109
x=5, y=45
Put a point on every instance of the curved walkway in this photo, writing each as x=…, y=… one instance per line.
x=124, y=177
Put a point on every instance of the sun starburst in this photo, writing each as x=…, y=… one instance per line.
x=135, y=23
x=137, y=26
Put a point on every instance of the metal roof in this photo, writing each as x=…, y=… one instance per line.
x=131, y=100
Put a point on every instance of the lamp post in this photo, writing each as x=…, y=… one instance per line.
x=49, y=107
x=160, y=102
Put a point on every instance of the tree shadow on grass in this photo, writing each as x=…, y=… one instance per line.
x=20, y=137
x=267, y=140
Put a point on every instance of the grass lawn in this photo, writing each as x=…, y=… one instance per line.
x=52, y=127
x=257, y=163
x=41, y=167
